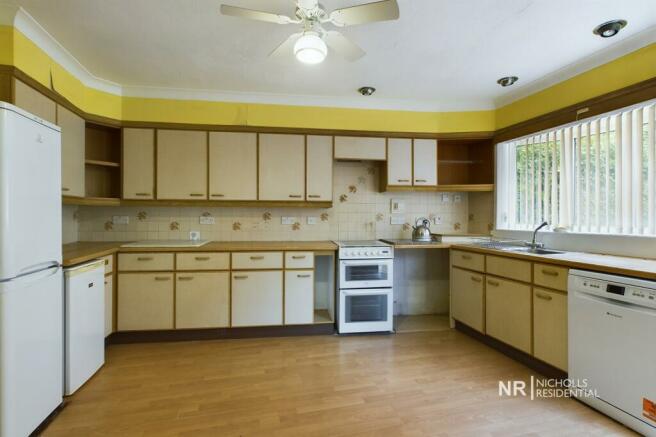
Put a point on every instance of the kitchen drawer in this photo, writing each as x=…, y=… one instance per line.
x=256, y=260
x=508, y=312
x=550, y=276
x=550, y=327
x=508, y=268
x=468, y=260
x=143, y=262
x=299, y=260
x=203, y=261
x=109, y=263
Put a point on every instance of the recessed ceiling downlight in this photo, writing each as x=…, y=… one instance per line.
x=609, y=28
x=366, y=90
x=310, y=48
x=507, y=81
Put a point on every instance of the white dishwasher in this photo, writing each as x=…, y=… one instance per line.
x=84, y=323
x=612, y=345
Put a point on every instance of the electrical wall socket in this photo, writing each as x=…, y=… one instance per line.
x=457, y=198
x=288, y=220
x=446, y=198
x=121, y=219
x=194, y=235
x=397, y=220
x=312, y=220
x=437, y=220
x=207, y=220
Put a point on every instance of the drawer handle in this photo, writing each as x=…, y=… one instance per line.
x=162, y=278
x=197, y=195
x=106, y=262
x=403, y=180
x=543, y=296
x=185, y=278
x=217, y=195
x=257, y=258
x=202, y=258
x=466, y=257
x=106, y=282
x=295, y=196
x=303, y=276
x=142, y=194
x=476, y=279
x=420, y=180
x=549, y=272
x=240, y=277
x=145, y=258
x=66, y=189
x=492, y=283
x=313, y=196
x=298, y=256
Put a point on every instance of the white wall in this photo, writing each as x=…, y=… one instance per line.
x=70, y=226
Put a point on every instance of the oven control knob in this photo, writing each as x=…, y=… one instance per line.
x=367, y=253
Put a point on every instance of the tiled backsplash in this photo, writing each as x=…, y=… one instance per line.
x=359, y=212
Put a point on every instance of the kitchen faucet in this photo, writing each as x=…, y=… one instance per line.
x=533, y=244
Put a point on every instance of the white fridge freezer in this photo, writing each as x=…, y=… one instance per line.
x=31, y=284
x=84, y=317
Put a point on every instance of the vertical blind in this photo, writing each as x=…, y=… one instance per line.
x=596, y=175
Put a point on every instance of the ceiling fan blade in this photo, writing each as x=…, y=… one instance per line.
x=367, y=13
x=269, y=17
x=286, y=47
x=343, y=46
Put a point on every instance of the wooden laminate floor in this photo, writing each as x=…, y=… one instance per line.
x=412, y=384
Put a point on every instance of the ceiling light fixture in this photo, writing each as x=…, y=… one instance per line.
x=310, y=48
x=609, y=28
x=507, y=81
x=366, y=90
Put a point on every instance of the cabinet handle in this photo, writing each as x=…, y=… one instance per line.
x=256, y=258
x=197, y=195
x=403, y=180
x=217, y=195
x=549, y=272
x=202, y=258
x=185, y=278
x=420, y=180
x=476, y=279
x=466, y=257
x=303, y=276
x=295, y=196
x=66, y=189
x=298, y=256
x=313, y=196
x=106, y=282
x=492, y=283
x=142, y=194
x=543, y=296
x=145, y=258
x=162, y=278
x=106, y=262
x=240, y=277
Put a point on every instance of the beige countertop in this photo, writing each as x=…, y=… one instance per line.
x=617, y=265
x=82, y=251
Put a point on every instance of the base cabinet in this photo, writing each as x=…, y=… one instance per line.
x=257, y=298
x=299, y=297
x=109, y=305
x=468, y=298
x=202, y=300
x=145, y=301
x=508, y=312
x=550, y=327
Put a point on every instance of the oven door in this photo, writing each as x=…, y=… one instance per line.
x=368, y=273
x=367, y=310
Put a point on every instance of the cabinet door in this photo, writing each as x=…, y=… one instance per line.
x=282, y=167
x=425, y=162
x=138, y=163
x=72, y=146
x=550, y=327
x=360, y=148
x=29, y=99
x=299, y=297
x=202, y=300
x=145, y=301
x=181, y=165
x=399, y=161
x=467, y=298
x=508, y=312
x=319, y=168
x=257, y=298
x=233, y=166
x=109, y=305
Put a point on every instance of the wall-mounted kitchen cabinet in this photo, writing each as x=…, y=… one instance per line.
x=360, y=148
x=399, y=162
x=233, y=166
x=424, y=163
x=181, y=165
x=73, y=152
x=410, y=163
x=319, y=171
x=29, y=99
x=138, y=163
x=282, y=167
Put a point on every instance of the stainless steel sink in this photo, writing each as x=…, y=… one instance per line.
x=536, y=251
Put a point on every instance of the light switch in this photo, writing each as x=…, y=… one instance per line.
x=397, y=206
x=446, y=198
x=194, y=235
x=437, y=220
x=457, y=198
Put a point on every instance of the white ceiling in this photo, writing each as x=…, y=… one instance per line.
x=440, y=55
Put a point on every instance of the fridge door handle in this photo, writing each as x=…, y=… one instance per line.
x=34, y=276
x=38, y=267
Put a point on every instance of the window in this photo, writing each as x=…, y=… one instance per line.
x=596, y=175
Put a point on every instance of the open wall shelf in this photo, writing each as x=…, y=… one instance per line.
x=102, y=164
x=467, y=165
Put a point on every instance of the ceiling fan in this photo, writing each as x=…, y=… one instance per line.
x=310, y=45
